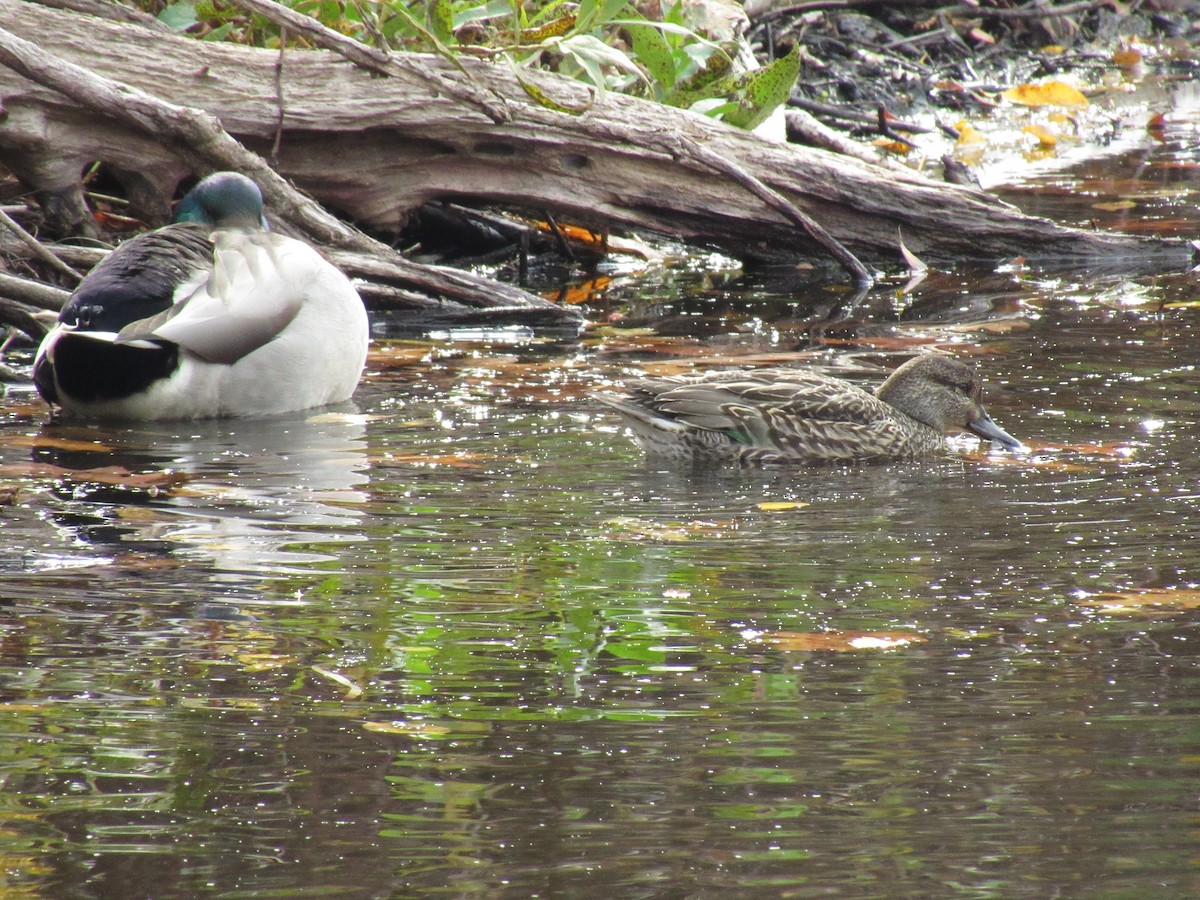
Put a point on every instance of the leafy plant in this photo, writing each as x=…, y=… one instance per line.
x=606, y=44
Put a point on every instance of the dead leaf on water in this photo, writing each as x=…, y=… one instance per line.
x=397, y=354
x=1115, y=205
x=114, y=476
x=1048, y=93
x=459, y=460
x=576, y=294
x=781, y=505
x=353, y=690
x=50, y=442
x=1147, y=602
x=628, y=528
x=841, y=641
x=1006, y=325
x=413, y=729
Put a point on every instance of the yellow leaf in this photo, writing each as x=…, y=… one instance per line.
x=1149, y=602
x=1115, y=205
x=1127, y=56
x=898, y=147
x=968, y=134
x=780, y=505
x=1053, y=50
x=1044, y=137
x=1049, y=93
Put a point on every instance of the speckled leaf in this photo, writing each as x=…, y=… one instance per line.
x=651, y=49
x=765, y=90
x=554, y=28
x=441, y=20
x=544, y=99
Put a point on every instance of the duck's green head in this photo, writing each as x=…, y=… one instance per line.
x=223, y=200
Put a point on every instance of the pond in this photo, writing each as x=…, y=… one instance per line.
x=464, y=639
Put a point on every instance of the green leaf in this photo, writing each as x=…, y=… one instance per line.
x=765, y=90
x=593, y=14
x=179, y=16
x=592, y=55
x=440, y=15
x=651, y=49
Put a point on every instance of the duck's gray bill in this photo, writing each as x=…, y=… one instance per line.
x=990, y=431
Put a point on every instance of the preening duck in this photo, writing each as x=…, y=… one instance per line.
x=790, y=415
x=213, y=315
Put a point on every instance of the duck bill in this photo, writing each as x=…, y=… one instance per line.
x=990, y=431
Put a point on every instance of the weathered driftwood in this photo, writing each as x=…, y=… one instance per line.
x=376, y=148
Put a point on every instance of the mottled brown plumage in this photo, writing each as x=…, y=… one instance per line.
x=792, y=415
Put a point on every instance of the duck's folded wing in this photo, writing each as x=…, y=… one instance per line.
x=255, y=289
x=809, y=417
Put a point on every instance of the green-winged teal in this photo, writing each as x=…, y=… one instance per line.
x=790, y=415
x=213, y=315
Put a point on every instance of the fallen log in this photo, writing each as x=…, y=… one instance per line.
x=375, y=148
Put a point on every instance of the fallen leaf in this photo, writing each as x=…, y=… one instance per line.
x=898, y=147
x=395, y=354
x=781, y=505
x=915, y=264
x=1115, y=205
x=1147, y=602
x=968, y=134
x=628, y=528
x=841, y=641
x=415, y=729
x=1048, y=93
x=1127, y=56
x=116, y=476
x=1044, y=137
x=574, y=295
x=459, y=460
x=353, y=690
x=50, y=442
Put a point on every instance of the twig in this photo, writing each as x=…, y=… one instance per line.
x=19, y=316
x=785, y=207
x=33, y=293
x=37, y=247
x=1030, y=11
x=849, y=115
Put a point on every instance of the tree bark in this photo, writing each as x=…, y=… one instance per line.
x=375, y=147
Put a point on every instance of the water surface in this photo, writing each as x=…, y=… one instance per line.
x=460, y=638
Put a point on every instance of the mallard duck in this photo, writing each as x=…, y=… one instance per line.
x=213, y=315
x=790, y=415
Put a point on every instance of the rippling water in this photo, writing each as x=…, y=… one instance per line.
x=462, y=638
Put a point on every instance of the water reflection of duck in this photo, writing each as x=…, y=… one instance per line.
x=210, y=316
x=790, y=415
